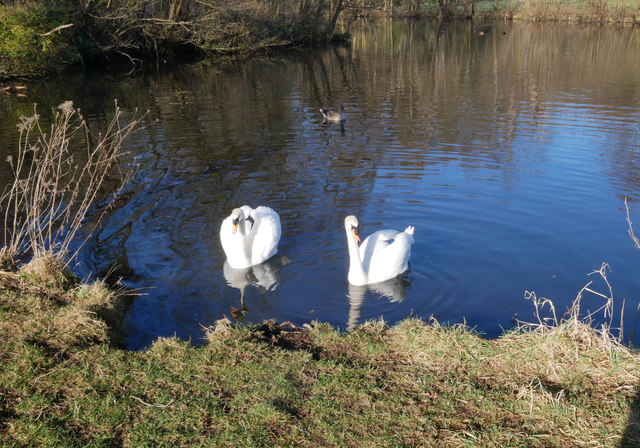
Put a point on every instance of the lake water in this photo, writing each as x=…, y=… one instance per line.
x=510, y=152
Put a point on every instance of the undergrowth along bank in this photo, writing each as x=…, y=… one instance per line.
x=41, y=37
x=45, y=36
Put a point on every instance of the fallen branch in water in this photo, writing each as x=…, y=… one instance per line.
x=631, y=234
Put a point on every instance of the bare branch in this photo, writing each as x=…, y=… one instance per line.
x=635, y=239
x=58, y=28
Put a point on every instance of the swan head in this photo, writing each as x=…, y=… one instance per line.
x=351, y=225
x=240, y=215
x=237, y=216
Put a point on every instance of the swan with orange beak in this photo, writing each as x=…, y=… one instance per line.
x=250, y=236
x=383, y=255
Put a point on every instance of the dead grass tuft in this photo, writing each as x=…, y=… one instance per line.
x=109, y=303
x=219, y=332
x=167, y=347
x=73, y=327
x=441, y=350
x=58, y=327
x=44, y=305
x=50, y=271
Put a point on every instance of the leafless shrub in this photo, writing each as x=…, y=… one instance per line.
x=52, y=192
x=153, y=26
x=588, y=11
x=510, y=8
x=596, y=8
x=573, y=319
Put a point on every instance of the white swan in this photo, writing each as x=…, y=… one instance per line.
x=383, y=255
x=250, y=236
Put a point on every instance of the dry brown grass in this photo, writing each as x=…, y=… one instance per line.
x=556, y=376
x=51, y=309
x=56, y=183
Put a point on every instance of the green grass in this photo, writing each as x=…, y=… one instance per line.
x=64, y=382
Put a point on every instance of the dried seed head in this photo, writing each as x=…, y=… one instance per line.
x=66, y=107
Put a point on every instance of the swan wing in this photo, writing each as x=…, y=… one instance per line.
x=376, y=242
x=388, y=257
x=265, y=234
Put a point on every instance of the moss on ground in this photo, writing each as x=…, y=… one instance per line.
x=64, y=382
x=26, y=47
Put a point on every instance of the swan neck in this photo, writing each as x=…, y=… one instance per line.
x=356, y=272
x=243, y=241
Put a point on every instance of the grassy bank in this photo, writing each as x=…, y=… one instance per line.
x=64, y=381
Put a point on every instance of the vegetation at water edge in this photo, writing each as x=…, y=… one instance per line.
x=44, y=36
x=38, y=37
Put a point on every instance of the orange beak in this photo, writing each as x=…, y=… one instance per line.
x=355, y=234
x=234, y=228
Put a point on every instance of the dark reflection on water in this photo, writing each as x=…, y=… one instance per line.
x=510, y=153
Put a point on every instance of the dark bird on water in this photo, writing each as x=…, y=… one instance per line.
x=333, y=115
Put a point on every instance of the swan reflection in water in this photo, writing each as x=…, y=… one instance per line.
x=393, y=289
x=263, y=276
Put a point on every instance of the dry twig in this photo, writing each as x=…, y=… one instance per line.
x=58, y=28
x=635, y=239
